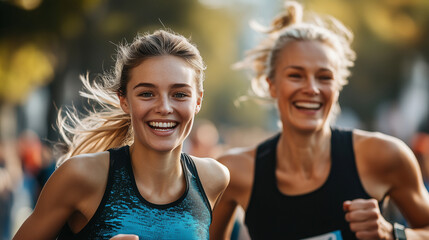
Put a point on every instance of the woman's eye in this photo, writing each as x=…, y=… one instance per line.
x=146, y=94
x=294, y=75
x=180, y=95
x=325, y=77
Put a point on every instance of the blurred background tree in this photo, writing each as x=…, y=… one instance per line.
x=46, y=44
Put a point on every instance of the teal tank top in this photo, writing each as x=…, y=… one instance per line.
x=124, y=211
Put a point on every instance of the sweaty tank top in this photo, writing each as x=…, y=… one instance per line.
x=317, y=215
x=124, y=211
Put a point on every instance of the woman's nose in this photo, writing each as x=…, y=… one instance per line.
x=164, y=106
x=311, y=87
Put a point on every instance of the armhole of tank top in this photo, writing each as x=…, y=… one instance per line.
x=191, y=166
x=255, y=189
x=352, y=147
x=345, y=135
x=350, y=140
x=112, y=156
x=258, y=171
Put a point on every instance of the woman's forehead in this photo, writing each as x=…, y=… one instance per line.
x=308, y=54
x=163, y=70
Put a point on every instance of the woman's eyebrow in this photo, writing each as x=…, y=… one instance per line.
x=148, y=85
x=293, y=67
x=180, y=85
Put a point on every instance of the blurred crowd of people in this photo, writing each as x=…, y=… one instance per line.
x=25, y=166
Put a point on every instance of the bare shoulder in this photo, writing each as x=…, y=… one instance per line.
x=214, y=178
x=384, y=163
x=213, y=174
x=368, y=137
x=241, y=165
x=86, y=168
x=86, y=165
x=381, y=149
x=234, y=167
x=210, y=167
x=238, y=158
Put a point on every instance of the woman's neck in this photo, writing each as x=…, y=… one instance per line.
x=156, y=170
x=303, y=151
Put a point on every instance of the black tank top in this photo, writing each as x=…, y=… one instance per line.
x=315, y=215
x=124, y=211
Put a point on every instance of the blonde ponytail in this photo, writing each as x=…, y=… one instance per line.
x=99, y=130
x=292, y=15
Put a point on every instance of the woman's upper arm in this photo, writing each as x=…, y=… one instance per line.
x=408, y=190
x=58, y=200
x=388, y=166
x=237, y=193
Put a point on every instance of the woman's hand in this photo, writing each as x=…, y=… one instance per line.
x=125, y=237
x=365, y=219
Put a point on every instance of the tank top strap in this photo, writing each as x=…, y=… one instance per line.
x=342, y=145
x=344, y=162
x=263, y=181
x=188, y=165
x=118, y=156
x=265, y=163
x=342, y=153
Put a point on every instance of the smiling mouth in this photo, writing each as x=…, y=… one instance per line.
x=307, y=105
x=162, y=126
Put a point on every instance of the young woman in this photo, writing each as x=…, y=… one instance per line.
x=312, y=181
x=127, y=173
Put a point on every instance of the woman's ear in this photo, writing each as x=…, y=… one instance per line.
x=124, y=103
x=271, y=87
x=199, y=102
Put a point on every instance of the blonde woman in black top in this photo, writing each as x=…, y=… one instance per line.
x=311, y=180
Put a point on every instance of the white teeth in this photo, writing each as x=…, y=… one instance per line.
x=162, y=124
x=308, y=105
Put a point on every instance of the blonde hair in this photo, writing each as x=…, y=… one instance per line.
x=292, y=25
x=110, y=127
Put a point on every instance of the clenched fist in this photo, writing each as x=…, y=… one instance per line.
x=366, y=221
